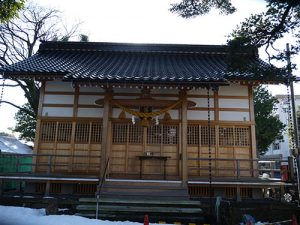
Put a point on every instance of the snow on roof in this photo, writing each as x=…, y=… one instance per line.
x=11, y=144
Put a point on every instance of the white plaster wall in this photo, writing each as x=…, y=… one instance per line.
x=116, y=112
x=59, y=86
x=58, y=99
x=167, y=98
x=202, y=91
x=202, y=102
x=173, y=113
x=199, y=115
x=88, y=99
x=57, y=111
x=125, y=97
x=234, y=116
x=91, y=89
x=233, y=90
x=164, y=91
x=90, y=112
x=234, y=103
x=127, y=90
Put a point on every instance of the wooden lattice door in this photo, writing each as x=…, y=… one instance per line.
x=129, y=142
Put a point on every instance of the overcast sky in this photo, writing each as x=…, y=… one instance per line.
x=144, y=21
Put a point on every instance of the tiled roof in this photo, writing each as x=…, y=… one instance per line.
x=122, y=62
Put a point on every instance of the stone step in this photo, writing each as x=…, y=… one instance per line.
x=170, y=219
x=139, y=209
x=141, y=201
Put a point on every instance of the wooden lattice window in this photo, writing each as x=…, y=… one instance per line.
x=64, y=131
x=207, y=138
x=96, y=132
x=242, y=136
x=119, y=133
x=135, y=135
x=48, y=131
x=125, y=132
x=193, y=135
x=82, y=131
x=226, y=136
x=154, y=135
x=88, y=132
x=170, y=134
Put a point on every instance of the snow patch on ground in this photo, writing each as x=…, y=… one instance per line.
x=10, y=215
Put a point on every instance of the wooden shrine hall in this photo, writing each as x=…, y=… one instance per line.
x=167, y=113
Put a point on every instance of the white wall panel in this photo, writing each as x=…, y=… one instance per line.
x=233, y=103
x=57, y=111
x=233, y=90
x=88, y=99
x=125, y=97
x=116, y=112
x=59, y=86
x=164, y=91
x=174, y=114
x=58, y=99
x=91, y=89
x=166, y=98
x=90, y=112
x=202, y=91
x=234, y=116
x=202, y=102
x=133, y=89
x=199, y=115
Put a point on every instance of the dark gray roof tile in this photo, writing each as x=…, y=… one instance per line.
x=117, y=62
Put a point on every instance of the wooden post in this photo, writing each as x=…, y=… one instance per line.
x=252, y=130
x=105, y=130
x=47, y=189
x=72, y=165
x=238, y=166
x=183, y=96
x=238, y=193
x=38, y=126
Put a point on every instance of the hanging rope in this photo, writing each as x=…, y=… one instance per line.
x=2, y=91
x=146, y=114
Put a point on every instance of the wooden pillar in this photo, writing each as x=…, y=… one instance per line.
x=184, y=171
x=105, y=130
x=252, y=130
x=38, y=126
x=72, y=158
x=216, y=126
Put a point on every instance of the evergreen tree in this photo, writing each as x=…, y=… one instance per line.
x=9, y=9
x=268, y=126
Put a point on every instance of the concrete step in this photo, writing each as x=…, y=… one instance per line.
x=161, y=189
x=141, y=201
x=134, y=209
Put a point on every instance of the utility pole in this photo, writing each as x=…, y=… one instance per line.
x=296, y=134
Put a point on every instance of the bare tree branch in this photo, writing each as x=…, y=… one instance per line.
x=19, y=107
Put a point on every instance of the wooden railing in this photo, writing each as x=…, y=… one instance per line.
x=81, y=165
x=48, y=164
x=235, y=168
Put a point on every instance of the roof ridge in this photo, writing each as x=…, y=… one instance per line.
x=137, y=47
